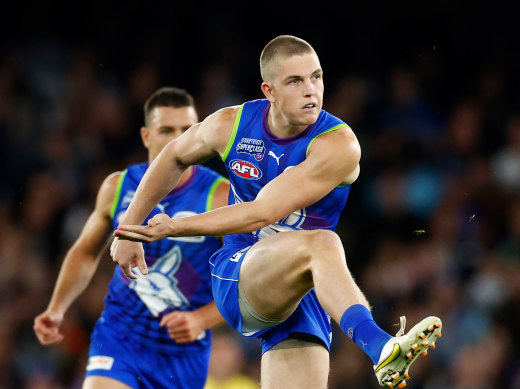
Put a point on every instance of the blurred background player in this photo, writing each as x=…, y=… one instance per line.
x=282, y=270
x=227, y=363
x=165, y=316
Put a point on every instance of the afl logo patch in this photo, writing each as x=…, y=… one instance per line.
x=245, y=169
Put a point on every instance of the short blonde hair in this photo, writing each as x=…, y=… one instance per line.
x=281, y=47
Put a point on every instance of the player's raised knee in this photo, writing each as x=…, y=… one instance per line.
x=324, y=240
x=320, y=241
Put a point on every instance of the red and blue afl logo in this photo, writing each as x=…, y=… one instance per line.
x=245, y=169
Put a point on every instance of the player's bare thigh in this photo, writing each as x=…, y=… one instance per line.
x=100, y=382
x=276, y=271
x=302, y=368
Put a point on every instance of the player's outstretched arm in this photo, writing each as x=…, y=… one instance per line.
x=79, y=265
x=333, y=159
x=199, y=143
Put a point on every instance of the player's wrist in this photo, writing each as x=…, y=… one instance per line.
x=55, y=311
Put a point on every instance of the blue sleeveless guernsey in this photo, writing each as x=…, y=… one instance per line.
x=253, y=157
x=179, y=273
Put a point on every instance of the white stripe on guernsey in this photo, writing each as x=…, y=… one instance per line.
x=224, y=279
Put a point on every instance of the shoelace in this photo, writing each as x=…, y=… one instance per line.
x=402, y=322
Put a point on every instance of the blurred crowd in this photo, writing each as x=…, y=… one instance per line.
x=432, y=226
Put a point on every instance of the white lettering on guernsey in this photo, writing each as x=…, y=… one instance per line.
x=254, y=147
x=291, y=222
x=100, y=362
x=235, y=257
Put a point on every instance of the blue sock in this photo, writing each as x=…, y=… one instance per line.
x=357, y=322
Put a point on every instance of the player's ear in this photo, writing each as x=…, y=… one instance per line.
x=267, y=89
x=145, y=134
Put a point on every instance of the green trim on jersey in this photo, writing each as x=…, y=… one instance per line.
x=233, y=133
x=118, y=193
x=324, y=132
x=211, y=194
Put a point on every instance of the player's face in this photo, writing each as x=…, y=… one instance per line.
x=298, y=88
x=166, y=124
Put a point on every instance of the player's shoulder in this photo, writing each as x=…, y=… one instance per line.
x=215, y=130
x=224, y=115
x=107, y=191
x=111, y=182
x=334, y=138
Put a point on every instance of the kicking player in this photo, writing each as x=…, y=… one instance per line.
x=153, y=332
x=282, y=269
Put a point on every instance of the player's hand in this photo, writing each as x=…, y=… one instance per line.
x=159, y=226
x=128, y=255
x=47, y=327
x=183, y=326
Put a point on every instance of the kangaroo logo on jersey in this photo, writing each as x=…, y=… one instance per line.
x=254, y=147
x=245, y=169
x=158, y=290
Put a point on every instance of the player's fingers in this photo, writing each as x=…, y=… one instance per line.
x=168, y=318
x=138, y=229
x=141, y=264
x=113, y=246
x=154, y=221
x=182, y=340
x=43, y=330
x=46, y=335
x=127, y=270
x=183, y=337
x=42, y=326
x=177, y=335
x=133, y=236
x=51, y=339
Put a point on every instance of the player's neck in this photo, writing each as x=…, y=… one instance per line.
x=279, y=125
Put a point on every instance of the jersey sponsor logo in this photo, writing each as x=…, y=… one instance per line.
x=100, y=362
x=245, y=169
x=254, y=147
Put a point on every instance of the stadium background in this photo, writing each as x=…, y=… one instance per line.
x=431, y=227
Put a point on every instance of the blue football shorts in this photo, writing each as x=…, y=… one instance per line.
x=308, y=318
x=118, y=357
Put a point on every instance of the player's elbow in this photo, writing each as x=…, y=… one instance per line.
x=171, y=152
x=264, y=216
